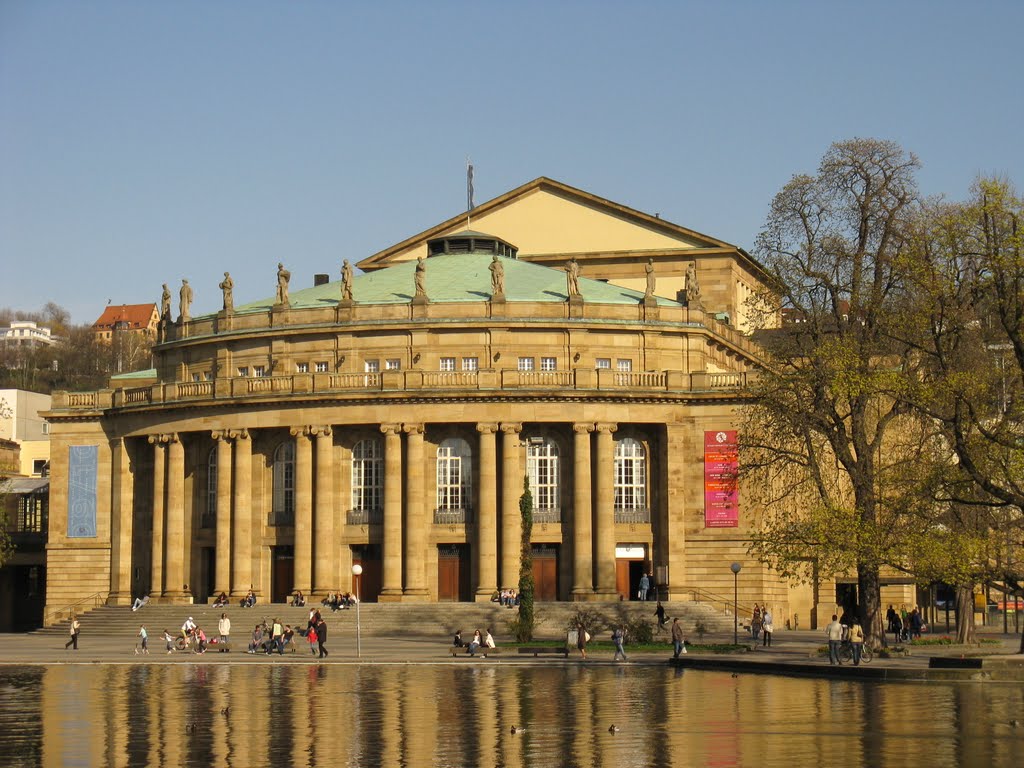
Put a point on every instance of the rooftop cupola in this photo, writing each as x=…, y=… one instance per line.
x=468, y=241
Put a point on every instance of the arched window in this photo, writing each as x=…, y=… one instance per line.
x=454, y=481
x=542, y=469
x=367, y=481
x=630, y=481
x=209, y=517
x=284, y=484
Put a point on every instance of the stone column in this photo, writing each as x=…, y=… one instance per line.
x=222, y=577
x=241, y=534
x=324, y=543
x=175, y=565
x=511, y=518
x=415, y=516
x=391, y=587
x=582, y=510
x=487, y=516
x=303, y=574
x=604, y=553
x=156, y=586
x=121, y=518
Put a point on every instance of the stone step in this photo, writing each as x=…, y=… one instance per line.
x=382, y=619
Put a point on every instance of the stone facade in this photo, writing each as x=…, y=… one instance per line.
x=273, y=447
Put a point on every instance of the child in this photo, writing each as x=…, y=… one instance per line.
x=312, y=637
x=169, y=640
x=144, y=636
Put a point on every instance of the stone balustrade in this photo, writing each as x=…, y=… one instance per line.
x=579, y=379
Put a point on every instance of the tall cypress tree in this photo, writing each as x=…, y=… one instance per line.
x=524, y=628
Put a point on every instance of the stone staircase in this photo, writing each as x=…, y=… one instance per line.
x=386, y=619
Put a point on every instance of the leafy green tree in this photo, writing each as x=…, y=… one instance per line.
x=826, y=409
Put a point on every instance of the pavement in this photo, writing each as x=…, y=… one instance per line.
x=792, y=653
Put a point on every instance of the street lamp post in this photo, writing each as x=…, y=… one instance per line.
x=735, y=568
x=357, y=571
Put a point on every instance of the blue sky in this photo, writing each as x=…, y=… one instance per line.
x=144, y=142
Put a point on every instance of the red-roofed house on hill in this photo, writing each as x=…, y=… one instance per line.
x=139, y=319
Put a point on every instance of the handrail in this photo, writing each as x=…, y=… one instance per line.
x=700, y=595
x=97, y=599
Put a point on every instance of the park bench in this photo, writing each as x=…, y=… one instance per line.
x=539, y=649
x=481, y=651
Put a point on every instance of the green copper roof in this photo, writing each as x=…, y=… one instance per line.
x=149, y=373
x=458, y=277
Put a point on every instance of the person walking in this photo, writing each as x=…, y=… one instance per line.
x=277, y=638
x=224, y=630
x=321, y=637
x=677, y=638
x=767, y=626
x=645, y=585
x=856, y=641
x=619, y=637
x=834, y=633
x=659, y=612
x=755, y=623
x=144, y=639
x=74, y=629
x=582, y=638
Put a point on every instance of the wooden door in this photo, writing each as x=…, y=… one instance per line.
x=545, y=578
x=452, y=574
x=368, y=556
x=282, y=573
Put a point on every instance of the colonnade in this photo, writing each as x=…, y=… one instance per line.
x=588, y=531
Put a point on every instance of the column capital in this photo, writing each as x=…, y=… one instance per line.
x=239, y=434
x=321, y=431
x=512, y=428
x=391, y=429
x=299, y=431
x=171, y=437
x=487, y=428
x=221, y=434
x=585, y=428
x=606, y=427
x=413, y=429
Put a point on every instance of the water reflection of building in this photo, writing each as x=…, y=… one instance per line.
x=156, y=714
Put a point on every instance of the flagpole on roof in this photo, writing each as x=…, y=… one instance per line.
x=469, y=190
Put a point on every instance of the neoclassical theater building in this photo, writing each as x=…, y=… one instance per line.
x=389, y=419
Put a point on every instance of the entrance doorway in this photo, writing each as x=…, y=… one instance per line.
x=208, y=580
x=453, y=573
x=545, y=572
x=282, y=573
x=368, y=556
x=630, y=564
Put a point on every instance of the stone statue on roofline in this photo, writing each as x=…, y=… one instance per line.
x=165, y=304
x=185, y=302
x=227, y=287
x=346, y=281
x=692, y=286
x=649, y=269
x=283, y=276
x=572, y=278
x=421, y=278
x=497, y=270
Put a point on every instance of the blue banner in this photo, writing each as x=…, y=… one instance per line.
x=83, y=463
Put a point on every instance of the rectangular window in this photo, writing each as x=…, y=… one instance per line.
x=302, y=367
x=470, y=364
x=321, y=367
x=603, y=363
x=243, y=370
x=46, y=427
x=259, y=371
x=207, y=376
x=372, y=366
x=624, y=365
x=447, y=364
x=196, y=377
x=393, y=364
x=525, y=363
x=549, y=363
x=38, y=465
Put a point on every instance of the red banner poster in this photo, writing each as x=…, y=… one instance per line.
x=721, y=491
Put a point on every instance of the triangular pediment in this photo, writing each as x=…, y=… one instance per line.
x=546, y=217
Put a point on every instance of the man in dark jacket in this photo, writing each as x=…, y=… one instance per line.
x=321, y=636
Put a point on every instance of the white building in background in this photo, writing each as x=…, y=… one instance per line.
x=20, y=422
x=26, y=333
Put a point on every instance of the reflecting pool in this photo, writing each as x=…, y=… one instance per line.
x=461, y=715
